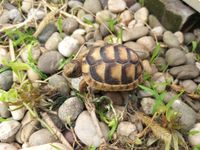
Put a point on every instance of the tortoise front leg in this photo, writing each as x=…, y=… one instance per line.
x=83, y=86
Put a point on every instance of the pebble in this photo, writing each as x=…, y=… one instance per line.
x=139, y=49
x=69, y=137
x=194, y=139
x=97, y=35
x=92, y=5
x=53, y=41
x=116, y=6
x=8, y=129
x=160, y=63
x=116, y=98
x=141, y=14
x=15, y=15
x=60, y=84
x=175, y=57
x=147, y=105
x=37, y=14
x=69, y=25
x=7, y=146
x=170, y=39
x=86, y=131
x=185, y=72
x=40, y=137
x=134, y=33
x=32, y=75
x=147, y=66
x=4, y=17
x=187, y=115
x=153, y=21
x=130, y=2
x=104, y=16
x=47, y=32
x=104, y=30
x=125, y=17
x=35, y=51
x=189, y=85
x=160, y=81
x=179, y=36
x=70, y=109
x=56, y=120
x=127, y=129
x=189, y=37
x=142, y=94
x=157, y=31
x=4, y=111
x=49, y=62
x=75, y=82
x=47, y=147
x=135, y=7
x=190, y=58
x=74, y=4
x=27, y=5
x=6, y=80
x=197, y=80
x=16, y=112
x=197, y=64
x=88, y=17
x=148, y=42
x=68, y=46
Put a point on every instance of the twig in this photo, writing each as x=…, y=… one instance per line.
x=48, y=120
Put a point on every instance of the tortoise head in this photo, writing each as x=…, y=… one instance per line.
x=73, y=69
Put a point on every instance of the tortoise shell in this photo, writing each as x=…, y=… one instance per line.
x=112, y=68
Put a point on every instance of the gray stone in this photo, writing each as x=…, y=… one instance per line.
x=6, y=80
x=189, y=86
x=69, y=25
x=6, y=146
x=153, y=21
x=134, y=33
x=185, y=72
x=104, y=29
x=189, y=37
x=170, y=39
x=147, y=105
x=35, y=51
x=97, y=35
x=141, y=14
x=70, y=109
x=37, y=14
x=4, y=18
x=49, y=62
x=4, y=111
x=194, y=139
x=116, y=6
x=197, y=80
x=15, y=15
x=129, y=3
x=86, y=131
x=127, y=129
x=88, y=17
x=59, y=83
x=27, y=5
x=8, y=129
x=135, y=7
x=92, y=5
x=74, y=4
x=175, y=57
x=148, y=42
x=139, y=49
x=40, y=137
x=104, y=3
x=160, y=63
x=104, y=16
x=53, y=41
x=33, y=75
x=47, y=147
x=157, y=31
x=187, y=115
x=125, y=17
x=47, y=32
x=190, y=58
x=179, y=36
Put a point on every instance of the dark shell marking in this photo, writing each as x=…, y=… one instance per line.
x=112, y=68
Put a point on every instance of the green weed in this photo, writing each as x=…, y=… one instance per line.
x=112, y=23
x=64, y=61
x=194, y=46
x=59, y=24
x=155, y=54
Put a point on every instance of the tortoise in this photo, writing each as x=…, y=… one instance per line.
x=107, y=68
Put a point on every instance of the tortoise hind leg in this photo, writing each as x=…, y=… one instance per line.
x=73, y=69
x=83, y=86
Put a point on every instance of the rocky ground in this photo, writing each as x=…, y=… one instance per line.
x=41, y=109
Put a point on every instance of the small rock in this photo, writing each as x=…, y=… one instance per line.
x=130, y=2
x=197, y=80
x=74, y=4
x=119, y=112
x=97, y=35
x=153, y=21
x=69, y=25
x=116, y=6
x=8, y=129
x=89, y=36
x=197, y=64
x=68, y=46
x=187, y=115
x=104, y=16
x=143, y=94
x=126, y=17
x=157, y=31
x=104, y=30
x=15, y=15
x=147, y=105
x=40, y=137
x=86, y=130
x=35, y=52
x=53, y=41
x=92, y=5
x=127, y=129
x=47, y=32
x=189, y=37
x=47, y=147
x=32, y=75
x=27, y=5
x=4, y=111
x=88, y=17
x=134, y=33
x=146, y=66
x=6, y=80
x=170, y=39
x=141, y=14
x=148, y=42
x=116, y=98
x=139, y=49
x=80, y=38
x=179, y=36
x=189, y=85
x=60, y=83
x=135, y=7
x=160, y=63
x=169, y=96
x=175, y=57
x=79, y=32
x=16, y=112
x=69, y=137
x=6, y=146
x=4, y=17
x=185, y=72
x=190, y=58
x=160, y=81
x=49, y=62
x=75, y=82
x=56, y=120
x=70, y=109
x=194, y=139
x=37, y=14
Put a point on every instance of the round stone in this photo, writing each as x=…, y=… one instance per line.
x=6, y=80
x=170, y=39
x=69, y=25
x=141, y=14
x=53, y=41
x=93, y=6
x=116, y=6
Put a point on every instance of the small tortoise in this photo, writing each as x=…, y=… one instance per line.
x=108, y=68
